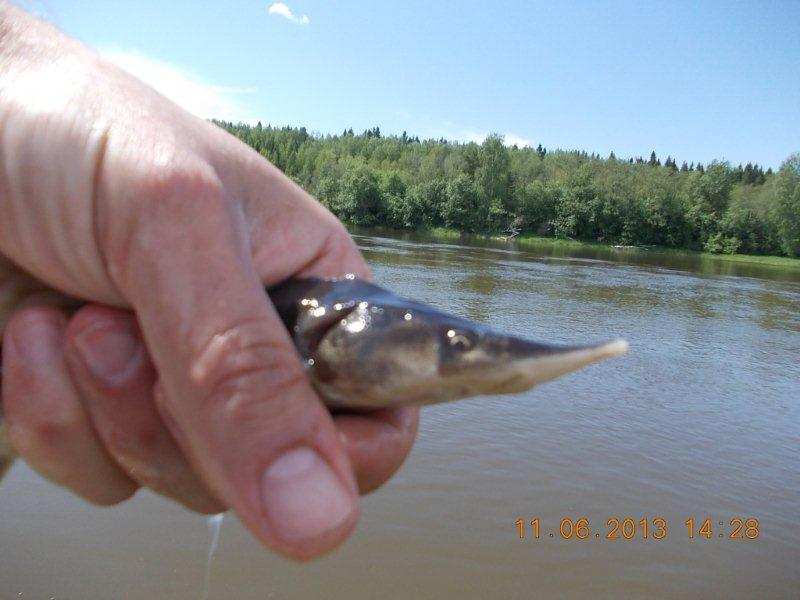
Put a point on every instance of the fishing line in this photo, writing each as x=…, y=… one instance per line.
x=214, y=527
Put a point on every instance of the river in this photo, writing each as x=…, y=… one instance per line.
x=701, y=420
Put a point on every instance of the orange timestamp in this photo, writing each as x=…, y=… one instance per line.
x=644, y=528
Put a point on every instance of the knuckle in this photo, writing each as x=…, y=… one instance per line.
x=243, y=374
x=29, y=314
x=45, y=431
x=165, y=200
x=246, y=413
x=34, y=322
x=249, y=347
x=179, y=183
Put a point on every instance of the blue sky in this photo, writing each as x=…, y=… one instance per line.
x=698, y=80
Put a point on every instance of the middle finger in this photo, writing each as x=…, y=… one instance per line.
x=111, y=370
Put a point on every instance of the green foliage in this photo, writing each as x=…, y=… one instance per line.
x=407, y=183
x=425, y=201
x=359, y=200
x=788, y=206
x=580, y=212
x=536, y=205
x=718, y=243
x=462, y=208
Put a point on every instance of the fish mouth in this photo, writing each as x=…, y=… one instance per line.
x=522, y=364
x=556, y=361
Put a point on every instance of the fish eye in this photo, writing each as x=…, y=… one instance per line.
x=458, y=340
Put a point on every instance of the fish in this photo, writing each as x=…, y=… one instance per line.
x=366, y=348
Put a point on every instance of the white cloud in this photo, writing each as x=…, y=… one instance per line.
x=185, y=88
x=281, y=10
x=509, y=139
x=470, y=136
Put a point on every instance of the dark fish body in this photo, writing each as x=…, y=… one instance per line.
x=366, y=348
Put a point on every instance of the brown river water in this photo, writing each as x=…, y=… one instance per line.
x=701, y=420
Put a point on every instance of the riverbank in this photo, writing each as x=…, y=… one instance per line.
x=558, y=245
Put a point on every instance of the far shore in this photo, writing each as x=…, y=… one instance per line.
x=443, y=234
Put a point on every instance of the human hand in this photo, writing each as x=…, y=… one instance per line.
x=190, y=384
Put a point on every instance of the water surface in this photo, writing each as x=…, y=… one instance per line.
x=701, y=420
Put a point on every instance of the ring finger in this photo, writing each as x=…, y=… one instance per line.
x=46, y=421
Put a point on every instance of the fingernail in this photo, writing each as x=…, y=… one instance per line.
x=303, y=497
x=37, y=340
x=109, y=352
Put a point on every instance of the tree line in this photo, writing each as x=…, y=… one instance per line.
x=402, y=182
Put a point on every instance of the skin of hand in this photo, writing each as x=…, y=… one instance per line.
x=178, y=374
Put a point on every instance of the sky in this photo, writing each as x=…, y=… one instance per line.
x=695, y=80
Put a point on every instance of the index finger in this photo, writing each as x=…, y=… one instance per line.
x=235, y=393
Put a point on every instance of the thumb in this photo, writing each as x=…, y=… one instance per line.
x=233, y=390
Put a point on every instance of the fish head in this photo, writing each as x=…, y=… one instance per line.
x=386, y=354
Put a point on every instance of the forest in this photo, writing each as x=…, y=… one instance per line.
x=402, y=182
